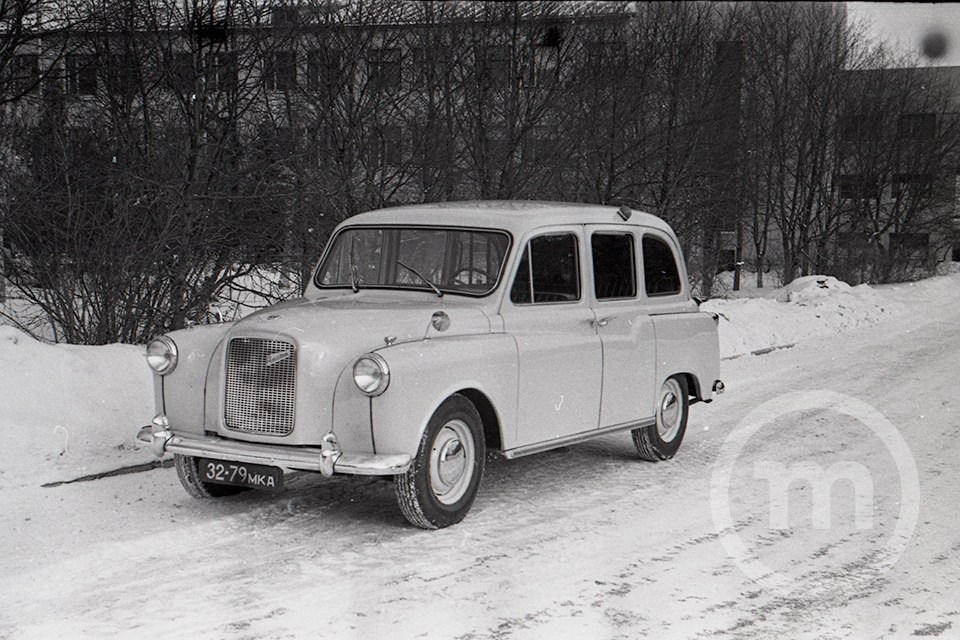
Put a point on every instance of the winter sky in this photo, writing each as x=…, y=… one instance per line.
x=913, y=25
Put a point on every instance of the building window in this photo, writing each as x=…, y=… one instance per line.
x=604, y=55
x=384, y=68
x=284, y=16
x=546, y=64
x=542, y=143
x=285, y=142
x=81, y=74
x=427, y=63
x=495, y=65
x=122, y=75
x=914, y=185
x=852, y=241
x=552, y=37
x=225, y=71
x=909, y=242
x=181, y=72
x=386, y=146
x=418, y=66
x=857, y=187
x=323, y=69
x=431, y=152
x=25, y=72
x=917, y=126
x=281, y=71
x=325, y=149
x=855, y=127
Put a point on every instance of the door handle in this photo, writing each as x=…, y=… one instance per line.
x=601, y=322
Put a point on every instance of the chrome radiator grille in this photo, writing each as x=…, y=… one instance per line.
x=260, y=386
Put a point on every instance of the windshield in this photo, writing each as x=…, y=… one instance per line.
x=462, y=261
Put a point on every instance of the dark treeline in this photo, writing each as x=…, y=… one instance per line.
x=155, y=153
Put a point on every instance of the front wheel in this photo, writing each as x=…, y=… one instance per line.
x=662, y=440
x=442, y=483
x=188, y=469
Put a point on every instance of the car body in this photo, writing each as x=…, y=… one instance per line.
x=431, y=333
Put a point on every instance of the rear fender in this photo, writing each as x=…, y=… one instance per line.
x=688, y=343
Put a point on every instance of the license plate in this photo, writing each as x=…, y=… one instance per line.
x=240, y=474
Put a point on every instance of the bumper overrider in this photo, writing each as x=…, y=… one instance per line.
x=328, y=459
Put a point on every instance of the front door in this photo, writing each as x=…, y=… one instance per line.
x=548, y=313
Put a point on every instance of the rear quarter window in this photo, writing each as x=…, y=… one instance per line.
x=660, y=272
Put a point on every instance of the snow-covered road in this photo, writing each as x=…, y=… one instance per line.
x=583, y=542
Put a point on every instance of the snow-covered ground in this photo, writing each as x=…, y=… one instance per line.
x=580, y=542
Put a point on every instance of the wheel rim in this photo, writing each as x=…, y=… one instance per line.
x=670, y=410
x=451, y=462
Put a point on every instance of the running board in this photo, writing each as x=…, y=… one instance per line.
x=577, y=438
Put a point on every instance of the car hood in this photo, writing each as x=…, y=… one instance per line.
x=355, y=323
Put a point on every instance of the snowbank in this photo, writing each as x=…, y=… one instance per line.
x=67, y=411
x=816, y=305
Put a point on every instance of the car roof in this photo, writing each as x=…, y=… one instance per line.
x=516, y=216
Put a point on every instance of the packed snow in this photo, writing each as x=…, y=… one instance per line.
x=69, y=411
x=580, y=542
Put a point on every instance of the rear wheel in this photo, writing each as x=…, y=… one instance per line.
x=188, y=469
x=661, y=441
x=442, y=483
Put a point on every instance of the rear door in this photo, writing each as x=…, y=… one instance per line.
x=623, y=324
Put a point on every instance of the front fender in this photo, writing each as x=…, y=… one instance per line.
x=180, y=394
x=424, y=374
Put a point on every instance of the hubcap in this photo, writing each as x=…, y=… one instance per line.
x=451, y=462
x=669, y=415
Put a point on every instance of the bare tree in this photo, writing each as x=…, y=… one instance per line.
x=796, y=59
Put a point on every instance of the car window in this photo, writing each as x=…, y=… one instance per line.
x=549, y=271
x=614, y=266
x=660, y=273
x=465, y=261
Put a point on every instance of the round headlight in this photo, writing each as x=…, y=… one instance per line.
x=371, y=374
x=162, y=355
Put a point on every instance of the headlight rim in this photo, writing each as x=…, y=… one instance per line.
x=384, y=368
x=173, y=355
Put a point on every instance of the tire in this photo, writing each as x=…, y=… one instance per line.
x=661, y=441
x=442, y=483
x=188, y=470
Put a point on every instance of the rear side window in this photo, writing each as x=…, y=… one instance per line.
x=660, y=273
x=549, y=271
x=614, y=266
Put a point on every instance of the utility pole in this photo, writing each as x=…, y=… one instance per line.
x=724, y=236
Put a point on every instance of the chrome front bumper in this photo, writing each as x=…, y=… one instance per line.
x=327, y=459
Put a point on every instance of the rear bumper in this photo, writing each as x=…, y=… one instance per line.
x=327, y=458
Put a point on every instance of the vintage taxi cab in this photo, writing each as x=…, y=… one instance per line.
x=431, y=334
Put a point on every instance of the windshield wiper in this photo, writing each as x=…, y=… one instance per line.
x=354, y=279
x=420, y=275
